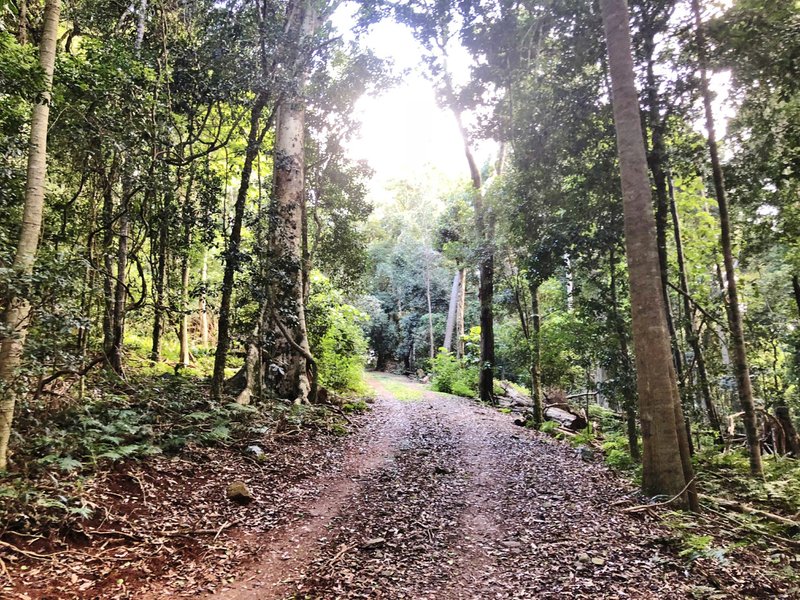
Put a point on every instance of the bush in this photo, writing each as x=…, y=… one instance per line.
x=336, y=337
x=451, y=377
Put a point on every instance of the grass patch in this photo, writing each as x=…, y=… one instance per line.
x=401, y=391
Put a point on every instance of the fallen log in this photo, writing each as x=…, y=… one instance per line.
x=567, y=419
x=515, y=397
x=743, y=508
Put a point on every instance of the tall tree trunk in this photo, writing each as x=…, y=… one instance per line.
x=462, y=301
x=629, y=395
x=796, y=292
x=22, y=23
x=120, y=289
x=289, y=354
x=484, y=228
x=536, y=356
x=688, y=323
x=740, y=365
x=666, y=463
x=432, y=352
x=17, y=317
x=159, y=304
x=108, y=257
x=232, y=257
x=188, y=220
x=203, y=302
x=451, y=313
x=656, y=160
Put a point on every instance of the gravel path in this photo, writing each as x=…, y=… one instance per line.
x=440, y=498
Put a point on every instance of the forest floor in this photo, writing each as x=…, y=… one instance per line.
x=432, y=497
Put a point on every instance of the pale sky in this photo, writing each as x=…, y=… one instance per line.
x=404, y=132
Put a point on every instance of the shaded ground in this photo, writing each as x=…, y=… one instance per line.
x=435, y=497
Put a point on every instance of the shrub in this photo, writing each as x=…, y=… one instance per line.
x=336, y=337
x=451, y=377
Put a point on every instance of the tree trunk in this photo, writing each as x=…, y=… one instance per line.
x=536, y=356
x=22, y=23
x=17, y=317
x=203, y=302
x=666, y=463
x=688, y=323
x=484, y=228
x=629, y=396
x=289, y=352
x=784, y=417
x=120, y=289
x=656, y=160
x=188, y=220
x=108, y=258
x=740, y=365
x=462, y=300
x=451, y=313
x=232, y=257
x=796, y=292
x=432, y=352
x=159, y=304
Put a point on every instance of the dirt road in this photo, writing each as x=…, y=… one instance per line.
x=440, y=498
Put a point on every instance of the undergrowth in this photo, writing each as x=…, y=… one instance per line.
x=151, y=415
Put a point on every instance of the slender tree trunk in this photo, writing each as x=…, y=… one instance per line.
x=17, y=317
x=232, y=258
x=120, y=290
x=22, y=23
x=159, y=306
x=290, y=355
x=536, y=357
x=203, y=302
x=432, y=352
x=184, y=333
x=484, y=228
x=629, y=392
x=796, y=292
x=666, y=463
x=108, y=267
x=188, y=220
x=451, y=313
x=688, y=323
x=462, y=301
x=740, y=365
x=656, y=161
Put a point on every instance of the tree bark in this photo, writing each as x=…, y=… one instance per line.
x=17, y=317
x=289, y=348
x=629, y=397
x=432, y=352
x=451, y=312
x=666, y=464
x=120, y=289
x=203, y=302
x=740, y=364
x=232, y=257
x=462, y=298
x=159, y=304
x=536, y=356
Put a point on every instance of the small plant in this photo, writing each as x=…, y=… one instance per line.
x=452, y=377
x=548, y=427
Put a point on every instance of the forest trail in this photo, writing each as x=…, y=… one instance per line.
x=441, y=498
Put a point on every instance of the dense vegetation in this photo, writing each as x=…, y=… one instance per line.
x=186, y=248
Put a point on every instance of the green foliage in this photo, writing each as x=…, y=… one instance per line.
x=617, y=453
x=548, y=427
x=449, y=375
x=336, y=336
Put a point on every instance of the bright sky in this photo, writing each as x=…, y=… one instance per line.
x=404, y=132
